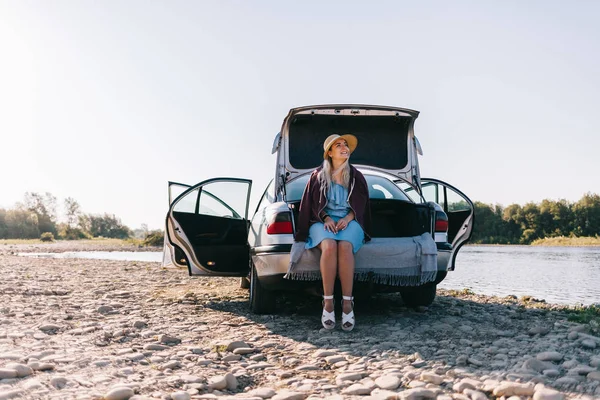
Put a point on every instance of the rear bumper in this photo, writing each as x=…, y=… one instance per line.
x=272, y=262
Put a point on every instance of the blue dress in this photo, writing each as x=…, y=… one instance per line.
x=337, y=207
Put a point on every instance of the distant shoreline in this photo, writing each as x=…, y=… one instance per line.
x=560, y=241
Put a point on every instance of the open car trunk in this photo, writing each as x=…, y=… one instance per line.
x=401, y=252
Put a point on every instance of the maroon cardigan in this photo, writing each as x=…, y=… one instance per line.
x=313, y=202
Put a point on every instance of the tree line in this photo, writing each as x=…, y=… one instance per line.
x=516, y=224
x=37, y=216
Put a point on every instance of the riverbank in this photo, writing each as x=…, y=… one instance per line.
x=15, y=246
x=567, y=241
x=92, y=329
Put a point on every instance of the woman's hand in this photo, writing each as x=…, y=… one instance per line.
x=343, y=222
x=330, y=225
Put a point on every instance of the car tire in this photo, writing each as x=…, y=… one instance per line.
x=262, y=301
x=244, y=282
x=419, y=296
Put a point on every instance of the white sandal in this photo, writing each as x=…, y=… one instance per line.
x=348, y=320
x=328, y=318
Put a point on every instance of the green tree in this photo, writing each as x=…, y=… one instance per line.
x=587, y=215
x=44, y=206
x=22, y=224
x=107, y=225
x=514, y=222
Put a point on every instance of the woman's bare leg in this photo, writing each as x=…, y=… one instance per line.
x=346, y=271
x=328, y=264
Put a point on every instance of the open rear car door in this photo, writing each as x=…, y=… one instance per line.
x=457, y=206
x=207, y=228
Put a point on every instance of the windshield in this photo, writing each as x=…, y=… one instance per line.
x=379, y=188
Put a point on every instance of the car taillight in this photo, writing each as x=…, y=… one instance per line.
x=441, y=221
x=280, y=223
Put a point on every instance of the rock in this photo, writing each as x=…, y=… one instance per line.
x=231, y=357
x=166, y=339
x=465, y=384
x=549, y=356
x=513, y=389
x=417, y=394
x=171, y=364
x=334, y=359
x=356, y=389
x=191, y=378
x=32, y=384
x=119, y=393
x=231, y=346
x=551, y=373
x=58, y=382
x=180, y=396
x=264, y=393
x=431, y=378
x=537, y=365
x=49, y=327
x=349, y=376
x=588, y=344
x=7, y=373
x=475, y=394
x=289, y=395
x=232, y=382
x=243, y=350
x=140, y=324
x=539, y=330
x=10, y=394
x=381, y=394
x=323, y=353
x=218, y=382
x=104, y=309
x=547, y=394
x=594, y=376
x=307, y=367
x=22, y=369
x=388, y=382
x=155, y=346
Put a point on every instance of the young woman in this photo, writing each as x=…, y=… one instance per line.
x=335, y=217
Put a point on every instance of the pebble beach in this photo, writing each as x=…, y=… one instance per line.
x=114, y=330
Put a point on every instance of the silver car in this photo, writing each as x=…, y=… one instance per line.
x=208, y=231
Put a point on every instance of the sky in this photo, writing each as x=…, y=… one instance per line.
x=107, y=101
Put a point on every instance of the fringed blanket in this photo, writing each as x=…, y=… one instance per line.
x=409, y=261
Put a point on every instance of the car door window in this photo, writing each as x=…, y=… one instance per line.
x=431, y=192
x=187, y=204
x=455, y=202
x=268, y=197
x=224, y=199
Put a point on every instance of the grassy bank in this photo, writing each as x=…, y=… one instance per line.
x=567, y=241
x=107, y=241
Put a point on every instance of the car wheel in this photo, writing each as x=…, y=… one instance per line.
x=262, y=301
x=244, y=282
x=417, y=296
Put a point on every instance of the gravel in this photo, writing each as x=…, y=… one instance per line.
x=98, y=329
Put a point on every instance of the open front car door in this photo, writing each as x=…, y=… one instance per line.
x=207, y=228
x=457, y=206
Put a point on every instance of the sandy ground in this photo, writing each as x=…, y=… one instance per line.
x=94, y=329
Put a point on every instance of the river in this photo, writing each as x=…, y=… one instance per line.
x=564, y=275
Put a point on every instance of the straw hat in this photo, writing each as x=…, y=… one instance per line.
x=350, y=139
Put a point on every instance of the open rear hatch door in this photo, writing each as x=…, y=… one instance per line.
x=386, y=140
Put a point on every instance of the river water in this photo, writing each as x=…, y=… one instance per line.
x=564, y=275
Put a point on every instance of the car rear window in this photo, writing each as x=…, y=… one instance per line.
x=379, y=188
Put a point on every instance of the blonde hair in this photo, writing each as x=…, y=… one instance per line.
x=325, y=175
